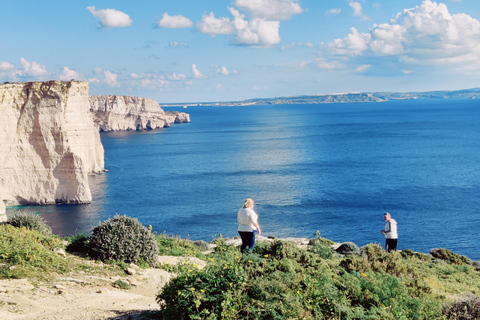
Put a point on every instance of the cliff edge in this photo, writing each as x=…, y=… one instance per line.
x=114, y=113
x=48, y=143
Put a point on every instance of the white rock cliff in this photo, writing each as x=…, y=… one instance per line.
x=113, y=113
x=48, y=143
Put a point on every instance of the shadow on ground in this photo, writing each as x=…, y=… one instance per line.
x=136, y=315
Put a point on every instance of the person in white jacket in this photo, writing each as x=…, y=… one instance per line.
x=248, y=225
x=390, y=232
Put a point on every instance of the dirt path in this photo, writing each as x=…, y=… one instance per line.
x=85, y=297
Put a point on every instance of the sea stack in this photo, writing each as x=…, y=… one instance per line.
x=48, y=143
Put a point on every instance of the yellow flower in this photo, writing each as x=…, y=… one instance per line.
x=193, y=289
x=266, y=256
x=203, y=291
x=189, y=270
x=195, y=265
x=231, y=283
x=364, y=275
x=298, y=292
x=237, y=257
x=250, y=261
x=179, y=292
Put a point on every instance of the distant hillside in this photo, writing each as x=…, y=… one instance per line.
x=473, y=93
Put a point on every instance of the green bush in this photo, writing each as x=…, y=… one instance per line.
x=176, y=246
x=77, y=243
x=202, y=245
x=123, y=239
x=25, y=252
x=31, y=221
x=348, y=248
x=447, y=255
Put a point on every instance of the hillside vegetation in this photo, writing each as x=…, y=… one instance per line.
x=278, y=280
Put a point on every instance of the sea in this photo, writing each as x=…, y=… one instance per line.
x=335, y=168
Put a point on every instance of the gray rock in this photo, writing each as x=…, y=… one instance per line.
x=60, y=252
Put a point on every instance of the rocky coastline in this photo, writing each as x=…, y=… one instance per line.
x=50, y=138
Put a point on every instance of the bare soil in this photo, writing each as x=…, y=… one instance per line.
x=82, y=296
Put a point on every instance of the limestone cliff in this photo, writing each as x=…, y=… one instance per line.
x=48, y=143
x=112, y=113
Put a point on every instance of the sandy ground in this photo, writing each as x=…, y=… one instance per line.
x=82, y=297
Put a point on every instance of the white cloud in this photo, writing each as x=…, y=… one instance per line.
x=93, y=80
x=354, y=44
x=258, y=32
x=33, y=69
x=134, y=76
x=328, y=65
x=174, y=22
x=188, y=83
x=214, y=26
x=6, y=66
x=358, y=10
x=333, y=12
x=97, y=70
x=110, y=18
x=223, y=70
x=196, y=73
x=270, y=9
x=176, y=76
x=362, y=68
x=176, y=44
x=424, y=35
x=111, y=78
x=69, y=74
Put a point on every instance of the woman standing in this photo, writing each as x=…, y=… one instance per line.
x=248, y=225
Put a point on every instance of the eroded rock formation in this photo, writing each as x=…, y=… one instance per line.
x=48, y=143
x=112, y=113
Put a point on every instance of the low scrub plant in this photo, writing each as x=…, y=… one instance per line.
x=123, y=239
x=465, y=308
x=26, y=253
x=31, y=221
x=77, y=243
x=447, y=255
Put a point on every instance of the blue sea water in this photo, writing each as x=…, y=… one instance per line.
x=335, y=168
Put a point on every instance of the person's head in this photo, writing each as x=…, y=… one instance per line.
x=248, y=203
x=386, y=216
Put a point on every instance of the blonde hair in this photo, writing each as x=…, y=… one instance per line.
x=248, y=203
x=386, y=214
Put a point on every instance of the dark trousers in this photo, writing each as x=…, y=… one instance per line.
x=391, y=244
x=248, y=240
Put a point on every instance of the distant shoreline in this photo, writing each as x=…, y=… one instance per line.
x=473, y=93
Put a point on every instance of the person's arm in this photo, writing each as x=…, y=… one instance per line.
x=254, y=220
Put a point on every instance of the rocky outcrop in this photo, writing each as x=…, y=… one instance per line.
x=48, y=143
x=3, y=214
x=112, y=113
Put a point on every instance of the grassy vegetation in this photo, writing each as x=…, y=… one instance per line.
x=277, y=281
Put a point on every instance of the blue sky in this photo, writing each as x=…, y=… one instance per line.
x=194, y=50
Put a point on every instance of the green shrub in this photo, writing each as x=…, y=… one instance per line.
x=447, y=255
x=121, y=284
x=355, y=263
x=373, y=251
x=31, y=221
x=27, y=252
x=123, y=239
x=176, y=246
x=463, y=309
x=202, y=245
x=410, y=253
x=77, y=243
x=348, y=248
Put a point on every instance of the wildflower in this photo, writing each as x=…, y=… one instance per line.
x=266, y=256
x=364, y=275
x=189, y=270
x=231, y=283
x=250, y=261
x=203, y=291
x=237, y=257
x=298, y=292
x=193, y=289
x=195, y=265
x=179, y=292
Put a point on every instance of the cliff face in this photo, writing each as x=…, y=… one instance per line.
x=112, y=113
x=48, y=143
